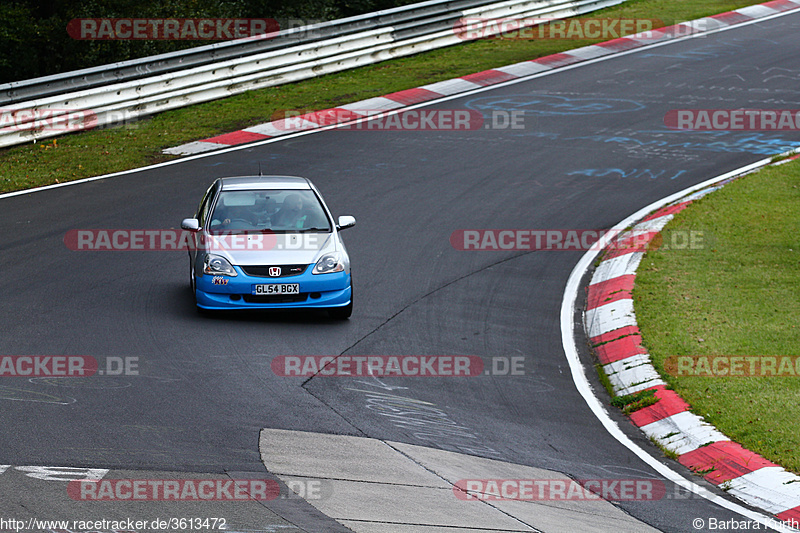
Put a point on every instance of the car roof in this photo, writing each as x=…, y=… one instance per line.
x=248, y=183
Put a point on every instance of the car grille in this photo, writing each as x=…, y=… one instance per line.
x=275, y=299
x=286, y=270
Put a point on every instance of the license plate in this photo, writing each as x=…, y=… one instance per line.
x=277, y=288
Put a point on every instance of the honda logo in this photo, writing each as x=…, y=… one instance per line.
x=274, y=271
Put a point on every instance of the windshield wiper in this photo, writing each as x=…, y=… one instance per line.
x=326, y=230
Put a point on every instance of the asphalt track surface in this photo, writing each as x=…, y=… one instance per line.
x=593, y=149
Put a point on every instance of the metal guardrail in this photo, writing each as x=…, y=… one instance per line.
x=202, y=55
x=120, y=92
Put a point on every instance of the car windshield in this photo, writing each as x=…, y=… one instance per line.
x=279, y=211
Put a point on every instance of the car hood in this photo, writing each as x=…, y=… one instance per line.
x=273, y=249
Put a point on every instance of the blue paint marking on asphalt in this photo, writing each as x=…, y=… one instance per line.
x=551, y=105
x=716, y=50
x=719, y=141
x=630, y=173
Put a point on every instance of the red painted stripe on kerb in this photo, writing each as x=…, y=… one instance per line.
x=731, y=17
x=620, y=349
x=488, y=77
x=327, y=117
x=413, y=96
x=668, y=404
x=611, y=290
x=781, y=5
x=667, y=210
x=727, y=459
x=664, y=32
x=620, y=45
x=236, y=137
x=557, y=60
x=637, y=243
x=791, y=514
x=669, y=31
x=614, y=335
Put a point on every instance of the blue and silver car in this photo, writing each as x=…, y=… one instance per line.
x=268, y=242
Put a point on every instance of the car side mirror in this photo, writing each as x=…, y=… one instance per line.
x=345, y=222
x=190, y=224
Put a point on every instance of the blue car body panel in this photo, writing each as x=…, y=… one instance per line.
x=316, y=290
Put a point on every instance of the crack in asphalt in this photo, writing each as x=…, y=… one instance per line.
x=398, y=313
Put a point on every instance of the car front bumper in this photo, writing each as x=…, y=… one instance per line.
x=316, y=291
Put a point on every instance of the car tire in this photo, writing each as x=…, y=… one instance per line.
x=193, y=286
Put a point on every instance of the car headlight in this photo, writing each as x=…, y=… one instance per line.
x=329, y=263
x=216, y=265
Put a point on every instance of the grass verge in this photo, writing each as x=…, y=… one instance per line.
x=738, y=295
x=108, y=150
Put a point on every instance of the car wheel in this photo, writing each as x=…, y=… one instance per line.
x=191, y=276
x=342, y=313
x=193, y=285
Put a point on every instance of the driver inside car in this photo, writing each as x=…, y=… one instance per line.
x=236, y=217
x=291, y=213
x=220, y=218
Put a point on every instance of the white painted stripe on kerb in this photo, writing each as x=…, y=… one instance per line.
x=590, y=52
x=756, y=11
x=451, y=87
x=642, y=381
x=700, y=194
x=609, y=317
x=651, y=37
x=635, y=379
x=683, y=432
x=627, y=363
x=195, y=147
x=281, y=127
x=526, y=68
x=771, y=488
x=371, y=106
x=705, y=24
x=621, y=265
x=655, y=224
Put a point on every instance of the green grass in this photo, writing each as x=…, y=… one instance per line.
x=633, y=402
x=115, y=149
x=739, y=295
